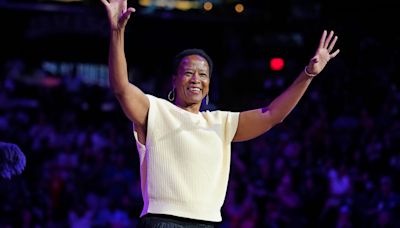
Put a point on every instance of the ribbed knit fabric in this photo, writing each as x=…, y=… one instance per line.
x=185, y=163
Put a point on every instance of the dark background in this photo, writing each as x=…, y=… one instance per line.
x=82, y=163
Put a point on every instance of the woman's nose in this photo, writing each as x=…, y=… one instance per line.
x=195, y=78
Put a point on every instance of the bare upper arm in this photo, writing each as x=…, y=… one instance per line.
x=253, y=123
x=135, y=105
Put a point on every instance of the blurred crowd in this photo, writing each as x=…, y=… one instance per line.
x=334, y=162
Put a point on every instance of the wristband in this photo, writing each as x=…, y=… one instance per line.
x=308, y=73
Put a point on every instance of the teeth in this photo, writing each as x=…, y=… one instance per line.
x=194, y=89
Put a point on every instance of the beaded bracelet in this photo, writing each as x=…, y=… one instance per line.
x=308, y=73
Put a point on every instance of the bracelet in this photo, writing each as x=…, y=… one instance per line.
x=308, y=73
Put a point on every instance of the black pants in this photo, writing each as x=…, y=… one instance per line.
x=168, y=221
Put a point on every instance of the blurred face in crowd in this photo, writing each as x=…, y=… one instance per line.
x=191, y=81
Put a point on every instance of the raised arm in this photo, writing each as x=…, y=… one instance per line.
x=133, y=101
x=255, y=122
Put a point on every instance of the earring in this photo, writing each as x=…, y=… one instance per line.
x=207, y=99
x=171, y=95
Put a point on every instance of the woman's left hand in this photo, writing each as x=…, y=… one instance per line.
x=323, y=54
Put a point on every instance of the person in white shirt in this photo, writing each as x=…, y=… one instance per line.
x=184, y=152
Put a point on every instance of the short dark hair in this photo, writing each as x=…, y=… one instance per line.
x=191, y=51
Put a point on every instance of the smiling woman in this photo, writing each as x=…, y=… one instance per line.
x=191, y=80
x=184, y=153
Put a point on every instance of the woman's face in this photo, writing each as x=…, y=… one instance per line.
x=192, y=81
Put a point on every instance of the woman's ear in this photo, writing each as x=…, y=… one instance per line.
x=173, y=79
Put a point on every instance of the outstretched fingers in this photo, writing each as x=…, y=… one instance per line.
x=334, y=53
x=332, y=44
x=322, y=40
x=328, y=40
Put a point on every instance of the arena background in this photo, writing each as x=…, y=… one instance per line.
x=334, y=162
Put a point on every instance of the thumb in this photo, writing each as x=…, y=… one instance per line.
x=126, y=15
x=314, y=60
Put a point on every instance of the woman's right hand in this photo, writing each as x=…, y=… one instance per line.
x=118, y=13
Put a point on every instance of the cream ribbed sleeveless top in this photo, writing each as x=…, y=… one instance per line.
x=184, y=166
